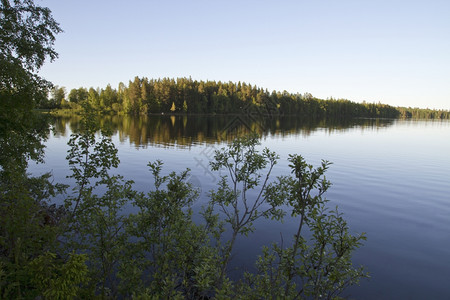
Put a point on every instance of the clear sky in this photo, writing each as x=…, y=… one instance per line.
x=394, y=52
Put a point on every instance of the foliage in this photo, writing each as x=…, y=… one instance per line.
x=57, y=99
x=29, y=228
x=26, y=40
x=420, y=113
x=27, y=34
x=243, y=165
x=167, y=95
x=174, y=253
x=21, y=136
x=318, y=263
x=56, y=279
x=95, y=221
x=29, y=222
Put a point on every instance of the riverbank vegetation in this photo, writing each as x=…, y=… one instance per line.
x=188, y=96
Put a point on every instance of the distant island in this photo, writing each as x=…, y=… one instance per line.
x=188, y=96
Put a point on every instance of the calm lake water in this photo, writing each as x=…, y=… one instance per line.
x=391, y=179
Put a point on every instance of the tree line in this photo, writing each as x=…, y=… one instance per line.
x=185, y=95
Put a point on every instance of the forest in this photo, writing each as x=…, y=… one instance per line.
x=188, y=96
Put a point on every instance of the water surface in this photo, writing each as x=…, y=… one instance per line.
x=391, y=179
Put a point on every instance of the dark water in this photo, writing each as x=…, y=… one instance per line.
x=391, y=179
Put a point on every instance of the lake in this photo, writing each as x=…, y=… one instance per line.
x=391, y=179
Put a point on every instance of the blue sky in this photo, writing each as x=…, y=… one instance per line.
x=394, y=52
